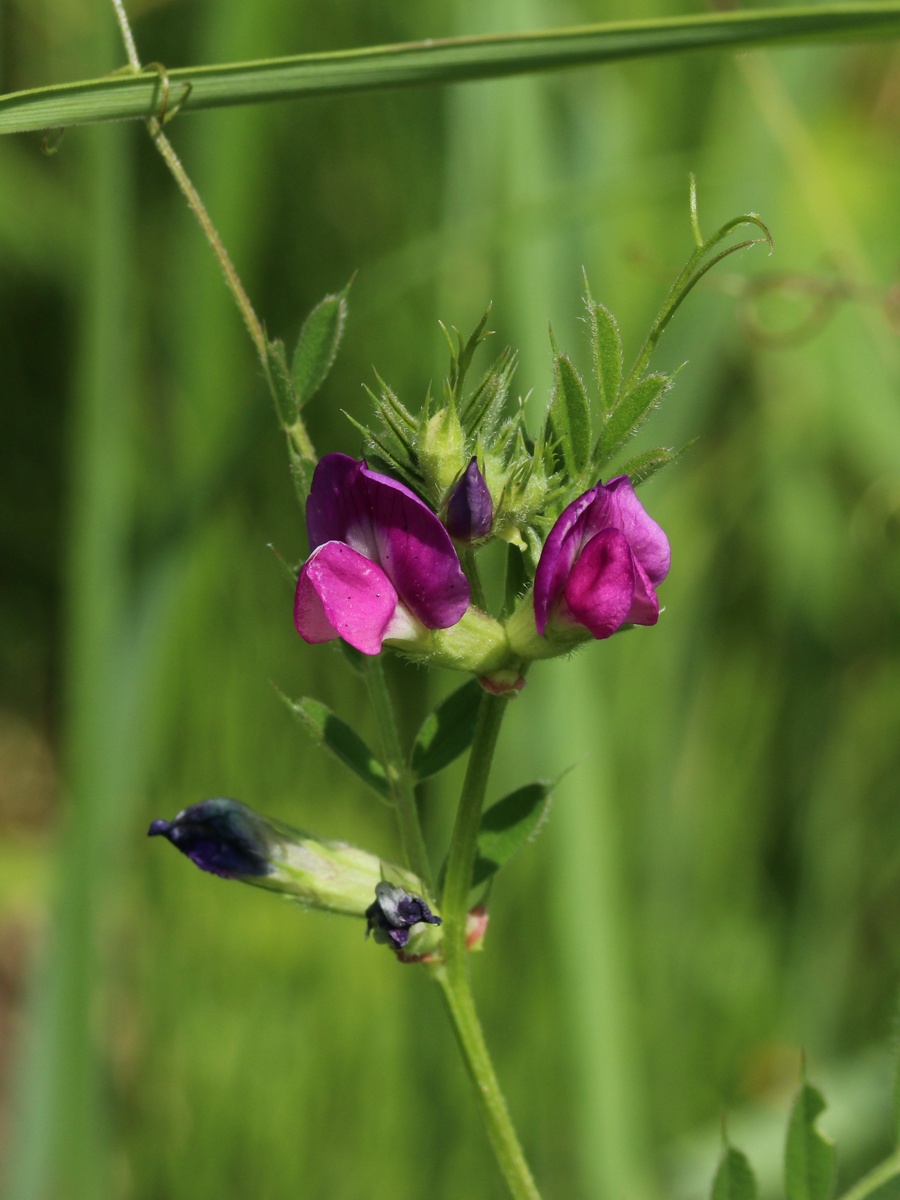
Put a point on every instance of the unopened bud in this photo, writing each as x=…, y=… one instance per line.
x=470, y=509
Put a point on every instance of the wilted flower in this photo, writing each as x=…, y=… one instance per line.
x=229, y=839
x=382, y=564
x=470, y=509
x=601, y=564
x=393, y=913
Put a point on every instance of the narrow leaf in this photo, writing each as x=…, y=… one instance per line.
x=606, y=348
x=570, y=415
x=734, y=1177
x=629, y=415
x=507, y=825
x=301, y=473
x=644, y=466
x=317, y=346
x=809, y=1161
x=337, y=736
x=447, y=732
x=437, y=61
x=280, y=384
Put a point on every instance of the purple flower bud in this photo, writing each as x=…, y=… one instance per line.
x=470, y=509
x=601, y=564
x=221, y=836
x=394, y=912
x=382, y=564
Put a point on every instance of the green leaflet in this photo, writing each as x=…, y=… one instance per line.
x=734, y=1177
x=569, y=416
x=629, y=414
x=337, y=736
x=507, y=825
x=809, y=1159
x=281, y=385
x=447, y=732
x=644, y=466
x=606, y=353
x=317, y=346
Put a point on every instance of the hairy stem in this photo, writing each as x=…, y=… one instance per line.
x=453, y=976
x=403, y=791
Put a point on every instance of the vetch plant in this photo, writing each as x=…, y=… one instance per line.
x=395, y=532
x=394, y=538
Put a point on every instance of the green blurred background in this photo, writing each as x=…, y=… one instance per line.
x=717, y=889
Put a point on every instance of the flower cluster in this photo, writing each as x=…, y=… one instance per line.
x=384, y=568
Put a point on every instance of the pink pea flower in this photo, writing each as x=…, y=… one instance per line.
x=601, y=564
x=382, y=564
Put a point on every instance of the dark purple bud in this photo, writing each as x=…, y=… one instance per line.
x=221, y=836
x=470, y=509
x=394, y=912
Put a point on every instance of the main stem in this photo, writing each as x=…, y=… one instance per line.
x=403, y=791
x=453, y=975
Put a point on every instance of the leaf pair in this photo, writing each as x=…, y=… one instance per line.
x=317, y=346
x=446, y=733
x=809, y=1159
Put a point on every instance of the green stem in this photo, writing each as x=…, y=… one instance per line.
x=254, y=326
x=461, y=858
x=875, y=1179
x=403, y=791
x=453, y=976
x=505, y=1143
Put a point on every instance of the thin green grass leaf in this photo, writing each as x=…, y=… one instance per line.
x=439, y=61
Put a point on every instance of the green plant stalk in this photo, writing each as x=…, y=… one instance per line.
x=403, y=792
x=504, y=1142
x=297, y=432
x=453, y=975
x=875, y=1179
x=437, y=61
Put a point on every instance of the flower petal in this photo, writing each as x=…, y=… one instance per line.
x=416, y=553
x=341, y=593
x=600, y=589
x=557, y=557
x=338, y=504
x=645, y=605
x=649, y=544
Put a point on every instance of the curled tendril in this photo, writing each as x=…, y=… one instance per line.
x=165, y=113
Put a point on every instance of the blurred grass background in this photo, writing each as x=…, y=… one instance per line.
x=717, y=888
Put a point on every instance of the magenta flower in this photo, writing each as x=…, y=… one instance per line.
x=601, y=563
x=470, y=509
x=382, y=564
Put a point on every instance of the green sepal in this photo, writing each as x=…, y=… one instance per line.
x=734, y=1178
x=281, y=385
x=606, y=353
x=446, y=732
x=317, y=346
x=810, y=1156
x=507, y=825
x=629, y=415
x=344, y=743
x=569, y=418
